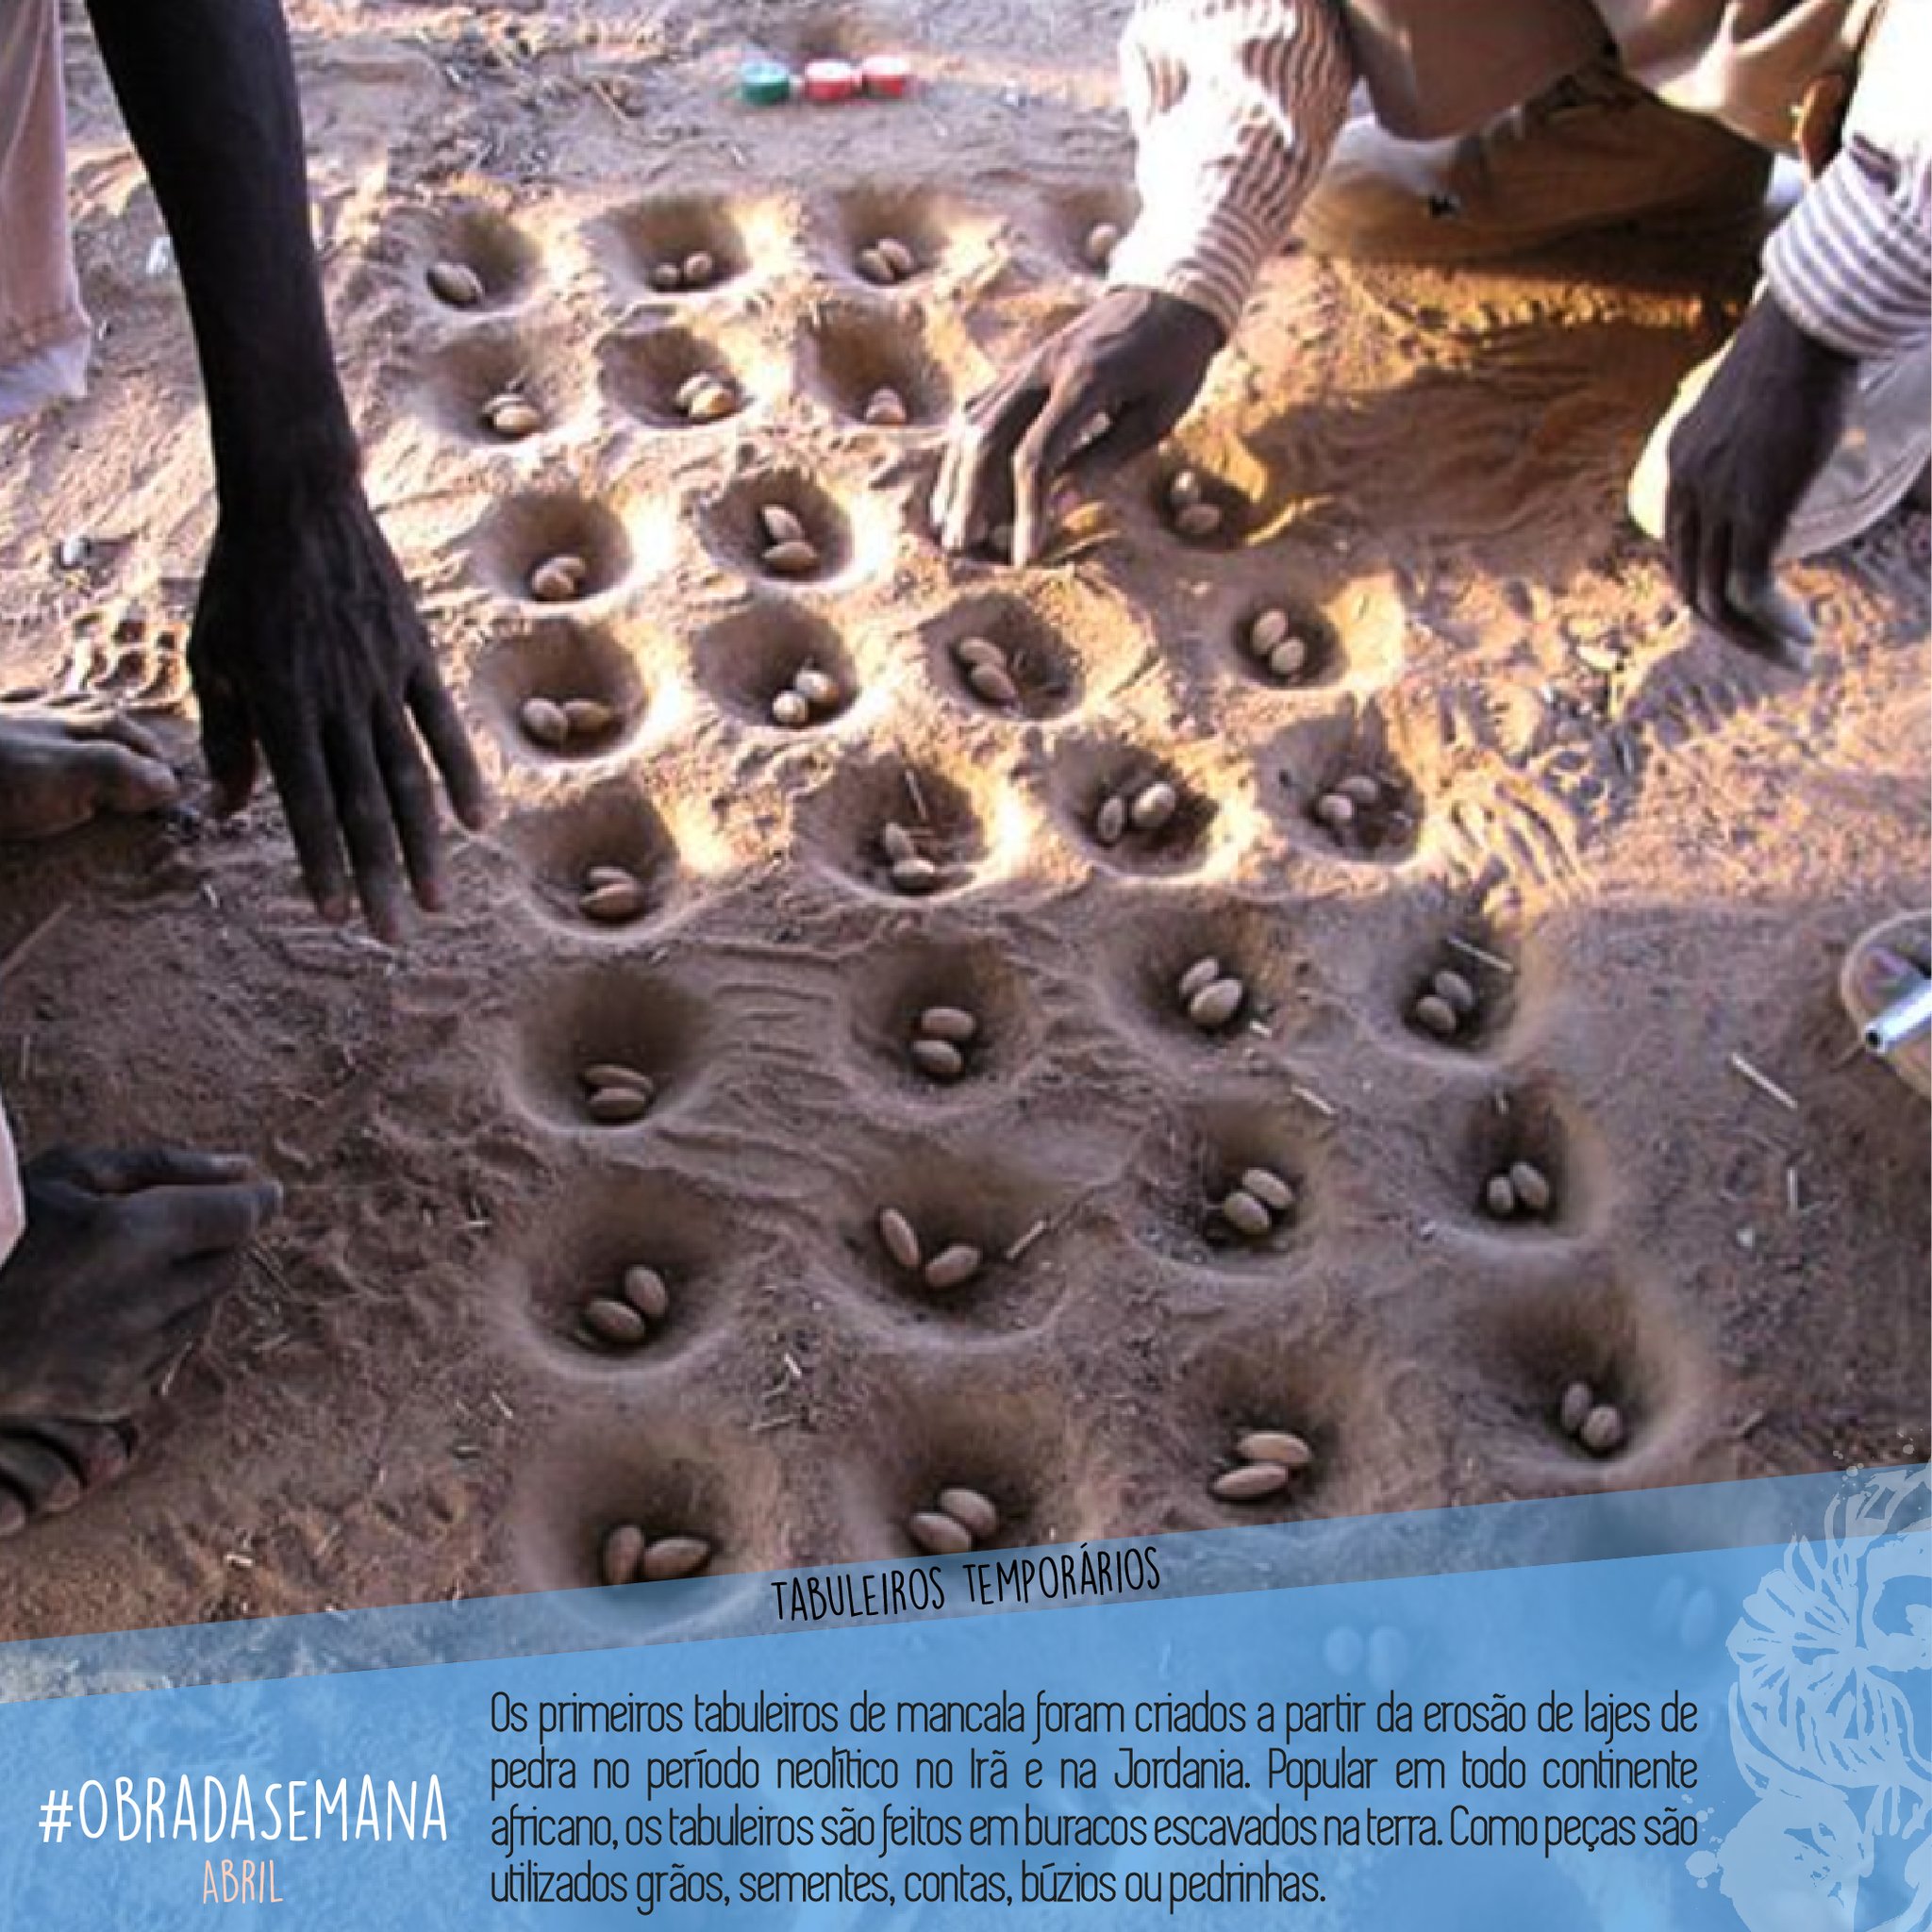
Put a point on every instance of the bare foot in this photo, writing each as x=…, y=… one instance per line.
x=58, y=773
x=112, y=1283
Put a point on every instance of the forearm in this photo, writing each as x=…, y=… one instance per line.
x=1236, y=105
x=207, y=88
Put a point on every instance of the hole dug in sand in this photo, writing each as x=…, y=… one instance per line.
x=1523, y=1165
x=888, y=237
x=475, y=260
x=1161, y=981
x=1227, y=1190
x=906, y=831
x=1459, y=994
x=684, y=244
x=536, y=680
x=1132, y=811
x=600, y=1024
x=749, y=662
x=1285, y=644
x=553, y=548
x=496, y=387
x=782, y=527
x=602, y=864
x=933, y=1016
x=875, y=369
x=1085, y=225
x=999, y=657
x=671, y=378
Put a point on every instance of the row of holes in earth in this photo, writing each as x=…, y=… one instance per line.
x=477, y=260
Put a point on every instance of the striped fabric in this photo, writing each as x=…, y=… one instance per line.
x=1236, y=103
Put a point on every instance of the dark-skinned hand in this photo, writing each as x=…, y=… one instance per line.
x=1740, y=461
x=114, y=1278
x=308, y=653
x=1102, y=389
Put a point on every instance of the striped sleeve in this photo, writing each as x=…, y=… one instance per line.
x=1236, y=105
x=1853, y=265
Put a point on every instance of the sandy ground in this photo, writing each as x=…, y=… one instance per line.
x=1666, y=846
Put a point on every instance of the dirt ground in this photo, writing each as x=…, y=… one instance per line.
x=1656, y=849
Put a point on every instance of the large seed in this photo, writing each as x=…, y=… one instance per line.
x=614, y=1073
x=713, y=403
x=622, y=1552
x=457, y=284
x=993, y=683
x=1251, y=1482
x=1499, y=1198
x=791, y=710
x=1454, y=991
x=667, y=277
x=587, y=717
x=975, y=1512
x=896, y=257
x=1154, y=807
x=671, y=1556
x=1215, y=1005
x=1602, y=1431
x=1579, y=1399
x=1335, y=812
x=608, y=875
x=1198, y=520
x=1274, y=1445
x=781, y=525
x=952, y=1024
x=512, y=416
x=874, y=267
x=614, y=1322
x=1290, y=660
x=1435, y=1015
x=885, y=409
x=1268, y=1188
x=558, y=579
x=1185, y=490
x=953, y=1267
x=647, y=1292
x=1269, y=631
x=938, y=1059
x=1103, y=238
x=544, y=721
x=818, y=688
x=898, y=842
x=614, y=904
x=900, y=1242
x=1110, y=820
x=915, y=876
x=694, y=386
x=1248, y=1217
x=700, y=269
x=1198, y=978
x=792, y=560
x=939, y=1534
x=617, y=1106
x=973, y=652
x=1358, y=788
x=1532, y=1186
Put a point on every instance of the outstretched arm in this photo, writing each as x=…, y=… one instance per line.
x=307, y=649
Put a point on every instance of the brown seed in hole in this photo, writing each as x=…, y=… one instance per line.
x=915, y=878
x=1185, y=490
x=1499, y=1198
x=885, y=409
x=1435, y=1015
x=671, y=1556
x=1274, y=1445
x=612, y=904
x=1154, y=807
x=938, y=1059
x=953, y=1267
x=1250, y=1482
x=952, y=1024
x=791, y=710
x=792, y=560
x=780, y=525
x=1360, y=788
x=1578, y=1400
x=939, y=1534
x=1335, y=812
x=1455, y=991
x=1198, y=520
x=1289, y=660
x=622, y=1551
x=1531, y=1187
x=608, y=875
x=617, y=1106
x=587, y=717
x=456, y=283
x=1110, y=820
x=973, y=652
x=544, y=723
x=1269, y=632
x=558, y=579
x=1247, y=1216
x=613, y=1073
x=1268, y=1188
x=1103, y=238
x=818, y=688
x=896, y=257
x=898, y=842
x=512, y=416
x=667, y=277
x=647, y=1292
x=900, y=1242
x=876, y=268
x=1215, y=1005
x=1603, y=1432
x=995, y=684
x=976, y=1512
x=614, y=1322
x=1198, y=978
x=700, y=269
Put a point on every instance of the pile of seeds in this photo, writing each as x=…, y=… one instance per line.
x=1597, y=1425
x=560, y=578
x=1275, y=640
x=611, y=894
x=511, y=415
x=615, y=1095
x=624, y=1321
x=1189, y=509
x=1341, y=808
x=629, y=1555
x=697, y=270
x=911, y=871
x=1257, y=1204
x=1266, y=1460
x=960, y=1520
x=811, y=694
x=940, y=1036
x=987, y=670
x=1448, y=1006
x=703, y=397
x=784, y=549
x=1103, y=238
x=1521, y=1192
x=1148, y=809
x=887, y=262
x=558, y=724
x=1211, y=998
x=953, y=1266
x=886, y=409
x=456, y=283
